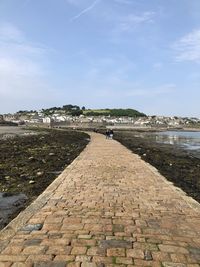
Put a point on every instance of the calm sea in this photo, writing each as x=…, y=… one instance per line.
x=187, y=140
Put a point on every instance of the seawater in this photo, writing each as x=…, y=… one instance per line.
x=184, y=139
x=12, y=131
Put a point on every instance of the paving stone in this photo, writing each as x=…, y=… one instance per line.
x=194, y=250
x=170, y=264
x=39, y=258
x=12, y=258
x=5, y=264
x=115, y=244
x=67, y=258
x=135, y=253
x=161, y=256
x=22, y=264
x=178, y=258
x=88, y=264
x=124, y=260
x=34, y=250
x=32, y=242
x=50, y=264
x=116, y=252
x=12, y=250
x=169, y=248
x=83, y=258
x=118, y=228
x=85, y=236
x=73, y=264
x=78, y=250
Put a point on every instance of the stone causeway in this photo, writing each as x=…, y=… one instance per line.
x=108, y=208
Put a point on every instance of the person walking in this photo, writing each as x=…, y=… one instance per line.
x=111, y=134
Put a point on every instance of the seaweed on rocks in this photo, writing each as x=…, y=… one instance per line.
x=28, y=164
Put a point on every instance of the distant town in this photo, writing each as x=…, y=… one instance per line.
x=75, y=116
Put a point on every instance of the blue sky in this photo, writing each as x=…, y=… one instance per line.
x=141, y=54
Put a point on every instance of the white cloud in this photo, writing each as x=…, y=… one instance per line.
x=19, y=67
x=130, y=22
x=130, y=89
x=152, y=92
x=85, y=10
x=9, y=32
x=188, y=47
x=17, y=55
x=22, y=72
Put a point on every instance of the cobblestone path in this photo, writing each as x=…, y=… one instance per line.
x=108, y=208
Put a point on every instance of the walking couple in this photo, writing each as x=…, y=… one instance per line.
x=109, y=134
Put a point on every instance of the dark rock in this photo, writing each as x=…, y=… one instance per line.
x=7, y=194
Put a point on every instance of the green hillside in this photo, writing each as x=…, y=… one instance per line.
x=75, y=110
x=114, y=112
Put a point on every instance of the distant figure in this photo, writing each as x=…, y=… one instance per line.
x=111, y=134
x=107, y=134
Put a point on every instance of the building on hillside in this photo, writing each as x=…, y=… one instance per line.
x=46, y=120
x=10, y=117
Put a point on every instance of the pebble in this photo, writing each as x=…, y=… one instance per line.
x=40, y=173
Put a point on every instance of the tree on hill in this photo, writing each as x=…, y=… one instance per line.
x=126, y=113
x=71, y=107
x=76, y=112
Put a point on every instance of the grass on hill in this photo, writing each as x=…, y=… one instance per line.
x=114, y=112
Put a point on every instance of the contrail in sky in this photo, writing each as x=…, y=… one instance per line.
x=87, y=9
